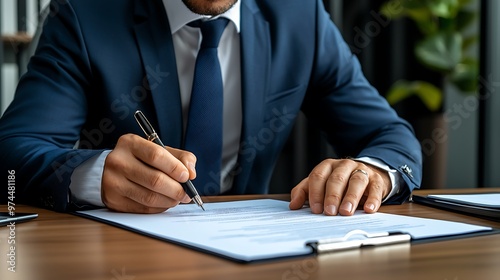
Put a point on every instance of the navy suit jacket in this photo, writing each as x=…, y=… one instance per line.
x=97, y=62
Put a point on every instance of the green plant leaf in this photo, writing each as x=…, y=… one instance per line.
x=419, y=15
x=431, y=96
x=464, y=77
x=441, y=52
x=444, y=8
x=398, y=92
x=428, y=27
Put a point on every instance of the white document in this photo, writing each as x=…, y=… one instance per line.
x=265, y=229
x=480, y=199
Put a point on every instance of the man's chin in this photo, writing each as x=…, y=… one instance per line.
x=209, y=7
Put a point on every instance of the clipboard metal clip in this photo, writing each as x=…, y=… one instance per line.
x=357, y=239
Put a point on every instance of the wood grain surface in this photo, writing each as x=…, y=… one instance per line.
x=63, y=246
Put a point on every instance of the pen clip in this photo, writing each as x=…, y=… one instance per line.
x=357, y=239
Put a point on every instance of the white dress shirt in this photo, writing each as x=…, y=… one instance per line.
x=187, y=42
x=85, y=183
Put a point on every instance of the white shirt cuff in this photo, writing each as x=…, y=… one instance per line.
x=85, y=183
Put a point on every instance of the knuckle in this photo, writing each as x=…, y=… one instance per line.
x=125, y=139
x=174, y=168
x=317, y=176
x=346, y=161
x=361, y=177
x=156, y=181
x=329, y=161
x=377, y=188
x=113, y=160
x=334, y=197
x=337, y=177
x=155, y=155
x=352, y=197
x=149, y=199
x=316, y=197
x=189, y=156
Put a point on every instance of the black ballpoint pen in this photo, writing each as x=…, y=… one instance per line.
x=153, y=137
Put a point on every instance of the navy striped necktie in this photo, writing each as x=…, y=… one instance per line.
x=204, y=126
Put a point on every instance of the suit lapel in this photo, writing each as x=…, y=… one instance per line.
x=255, y=61
x=152, y=31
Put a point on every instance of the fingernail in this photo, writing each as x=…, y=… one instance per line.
x=317, y=208
x=183, y=177
x=331, y=210
x=371, y=206
x=347, y=206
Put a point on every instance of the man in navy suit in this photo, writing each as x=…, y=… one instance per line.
x=71, y=138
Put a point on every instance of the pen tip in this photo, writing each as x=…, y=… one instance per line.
x=202, y=207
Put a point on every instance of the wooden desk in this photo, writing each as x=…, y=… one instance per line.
x=63, y=246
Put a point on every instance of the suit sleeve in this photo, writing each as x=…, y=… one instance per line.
x=39, y=130
x=357, y=120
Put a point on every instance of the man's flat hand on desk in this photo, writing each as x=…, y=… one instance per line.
x=338, y=186
x=140, y=176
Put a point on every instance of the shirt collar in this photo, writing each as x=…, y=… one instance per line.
x=179, y=15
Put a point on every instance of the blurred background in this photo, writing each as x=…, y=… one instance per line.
x=437, y=62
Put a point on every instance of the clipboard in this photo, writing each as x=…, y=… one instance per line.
x=265, y=229
x=460, y=206
x=358, y=239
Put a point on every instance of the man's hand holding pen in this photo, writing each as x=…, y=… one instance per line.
x=140, y=176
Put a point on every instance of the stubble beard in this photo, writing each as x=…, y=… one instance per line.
x=209, y=7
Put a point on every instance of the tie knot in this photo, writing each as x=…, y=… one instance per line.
x=211, y=31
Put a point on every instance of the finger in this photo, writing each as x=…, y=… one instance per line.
x=337, y=185
x=187, y=158
x=148, y=198
x=157, y=157
x=358, y=182
x=156, y=181
x=318, y=181
x=375, y=196
x=299, y=195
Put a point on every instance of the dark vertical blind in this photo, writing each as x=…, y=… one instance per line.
x=485, y=69
x=489, y=89
x=22, y=16
x=1, y=62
